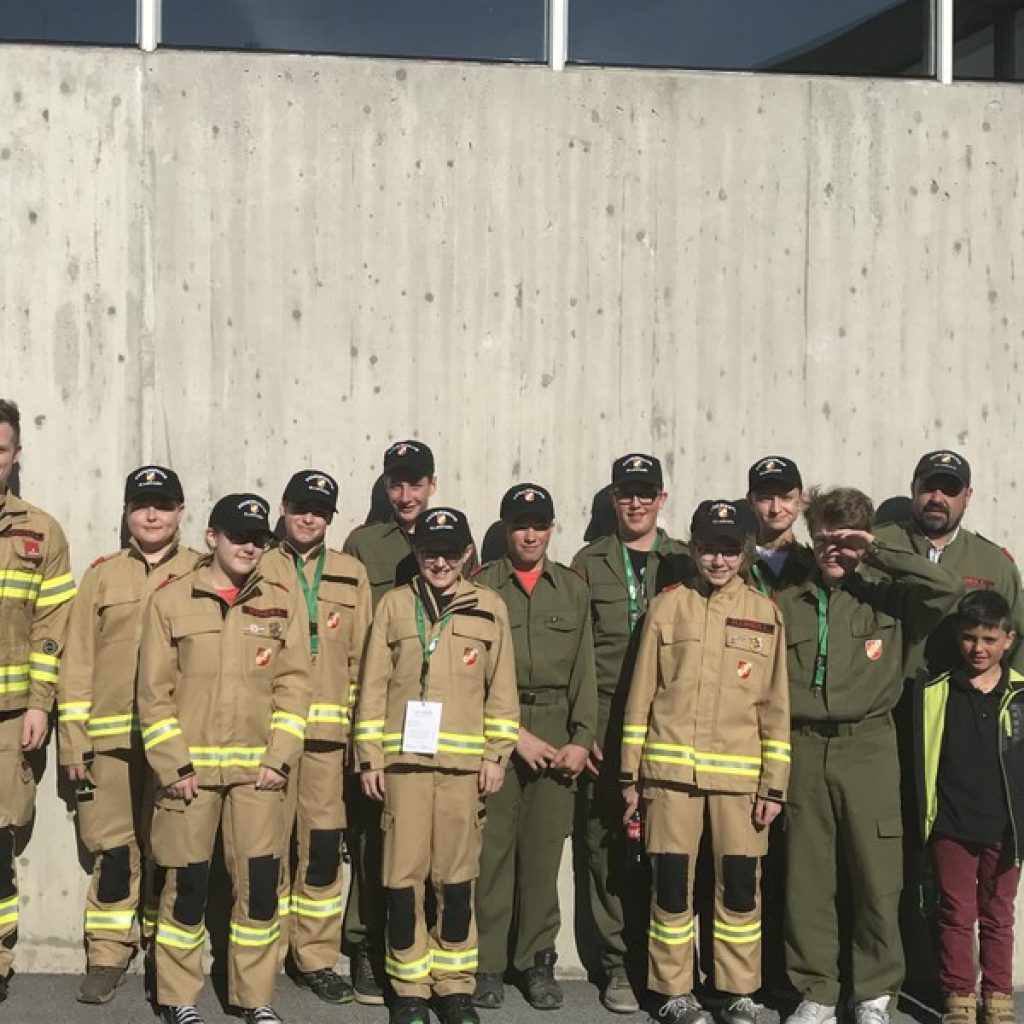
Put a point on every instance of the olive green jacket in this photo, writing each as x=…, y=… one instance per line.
x=798, y=566
x=552, y=638
x=874, y=616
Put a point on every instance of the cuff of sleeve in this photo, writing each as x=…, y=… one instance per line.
x=182, y=772
x=282, y=768
x=75, y=755
x=583, y=737
x=627, y=778
x=40, y=702
x=495, y=758
x=768, y=792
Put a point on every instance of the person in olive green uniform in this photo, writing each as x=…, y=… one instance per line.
x=847, y=630
x=622, y=571
x=531, y=815
x=940, y=493
x=385, y=549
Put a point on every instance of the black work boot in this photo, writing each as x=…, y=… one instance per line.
x=365, y=983
x=542, y=991
x=457, y=1009
x=409, y=1010
x=326, y=984
x=490, y=990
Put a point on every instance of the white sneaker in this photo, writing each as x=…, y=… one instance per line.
x=872, y=1011
x=813, y=1013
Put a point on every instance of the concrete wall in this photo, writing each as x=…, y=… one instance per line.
x=245, y=264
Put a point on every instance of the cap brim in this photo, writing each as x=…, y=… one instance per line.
x=161, y=493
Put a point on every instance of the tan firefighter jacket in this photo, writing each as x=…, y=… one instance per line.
x=222, y=690
x=342, y=625
x=472, y=673
x=36, y=587
x=708, y=704
x=96, y=692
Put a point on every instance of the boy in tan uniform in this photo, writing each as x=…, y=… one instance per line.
x=224, y=688
x=707, y=730
x=336, y=613
x=100, y=746
x=35, y=588
x=437, y=720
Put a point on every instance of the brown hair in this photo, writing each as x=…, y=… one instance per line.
x=9, y=414
x=842, y=508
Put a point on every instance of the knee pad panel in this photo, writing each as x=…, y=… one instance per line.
x=264, y=873
x=7, y=886
x=192, y=882
x=739, y=881
x=401, y=917
x=324, y=856
x=115, y=882
x=457, y=913
x=672, y=881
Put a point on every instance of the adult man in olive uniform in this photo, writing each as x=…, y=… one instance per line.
x=622, y=572
x=100, y=746
x=847, y=630
x=385, y=549
x=531, y=815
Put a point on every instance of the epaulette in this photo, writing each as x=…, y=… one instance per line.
x=479, y=569
x=99, y=561
x=1005, y=551
x=163, y=583
x=671, y=586
x=274, y=583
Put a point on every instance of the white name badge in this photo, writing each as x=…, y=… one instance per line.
x=422, y=726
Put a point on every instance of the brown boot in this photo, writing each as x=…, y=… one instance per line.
x=961, y=1010
x=999, y=1009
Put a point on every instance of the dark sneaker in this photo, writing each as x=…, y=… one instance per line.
x=744, y=1010
x=542, y=991
x=262, y=1015
x=365, y=983
x=409, y=1010
x=181, y=1015
x=5, y=981
x=618, y=993
x=100, y=984
x=490, y=991
x=327, y=985
x=457, y=1009
x=682, y=1010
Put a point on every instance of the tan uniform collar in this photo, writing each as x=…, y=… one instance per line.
x=287, y=548
x=464, y=596
x=204, y=584
x=134, y=551
x=12, y=506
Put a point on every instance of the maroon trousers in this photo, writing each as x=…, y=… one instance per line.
x=977, y=884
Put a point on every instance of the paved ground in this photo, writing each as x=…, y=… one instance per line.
x=50, y=999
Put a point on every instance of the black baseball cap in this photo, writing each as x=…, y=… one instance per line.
x=153, y=482
x=409, y=458
x=637, y=468
x=240, y=515
x=441, y=529
x=943, y=463
x=312, y=488
x=527, y=503
x=718, y=519
x=774, y=469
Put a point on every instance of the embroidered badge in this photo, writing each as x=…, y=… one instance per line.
x=263, y=656
x=744, y=670
x=873, y=649
x=333, y=620
x=32, y=549
x=469, y=656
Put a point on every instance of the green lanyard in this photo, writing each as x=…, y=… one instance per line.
x=635, y=592
x=312, y=594
x=429, y=646
x=820, y=659
x=755, y=571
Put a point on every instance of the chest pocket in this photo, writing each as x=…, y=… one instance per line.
x=118, y=611
x=748, y=641
x=609, y=608
x=679, y=648
x=197, y=639
x=337, y=609
x=559, y=635
x=874, y=634
x=20, y=577
x=472, y=638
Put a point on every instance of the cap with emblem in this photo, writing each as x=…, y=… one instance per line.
x=944, y=463
x=314, y=489
x=718, y=519
x=412, y=459
x=637, y=468
x=441, y=529
x=241, y=515
x=154, y=482
x=527, y=503
x=774, y=469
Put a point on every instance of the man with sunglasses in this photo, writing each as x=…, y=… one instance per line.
x=623, y=572
x=224, y=690
x=437, y=720
x=529, y=819
x=336, y=606
x=99, y=741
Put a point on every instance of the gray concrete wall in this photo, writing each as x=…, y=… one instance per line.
x=244, y=264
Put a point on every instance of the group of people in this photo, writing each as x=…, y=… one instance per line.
x=449, y=725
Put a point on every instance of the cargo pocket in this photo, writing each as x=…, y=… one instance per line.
x=173, y=839
x=886, y=867
x=387, y=828
x=24, y=796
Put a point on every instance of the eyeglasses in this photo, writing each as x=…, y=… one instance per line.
x=645, y=496
x=433, y=557
x=729, y=554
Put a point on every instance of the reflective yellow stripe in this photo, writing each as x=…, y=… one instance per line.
x=392, y=742
x=13, y=679
x=737, y=933
x=42, y=668
x=9, y=910
x=180, y=938
x=245, y=935
x=330, y=714
x=293, y=724
x=370, y=730
x=17, y=585
x=226, y=757
x=501, y=728
x=56, y=591
x=283, y=906
x=673, y=753
x=112, y=725
x=775, y=750
x=110, y=920
x=74, y=712
x=149, y=917
x=460, y=743
x=634, y=735
x=671, y=935
x=416, y=970
x=160, y=732
x=353, y=694
x=315, y=908
x=463, y=960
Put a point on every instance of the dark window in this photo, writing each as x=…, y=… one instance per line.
x=841, y=37
x=101, y=22
x=989, y=39
x=455, y=29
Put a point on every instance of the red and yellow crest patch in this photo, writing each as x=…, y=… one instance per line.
x=873, y=649
x=263, y=655
x=744, y=670
x=470, y=656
